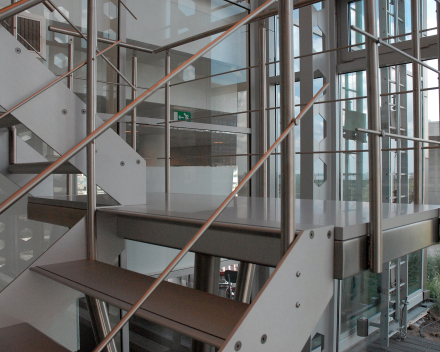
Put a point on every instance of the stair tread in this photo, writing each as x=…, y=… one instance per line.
x=200, y=315
x=37, y=167
x=24, y=337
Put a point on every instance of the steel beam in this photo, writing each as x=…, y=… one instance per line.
x=287, y=112
x=376, y=256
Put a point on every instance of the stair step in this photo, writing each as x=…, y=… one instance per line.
x=24, y=337
x=36, y=168
x=202, y=316
x=8, y=121
x=63, y=210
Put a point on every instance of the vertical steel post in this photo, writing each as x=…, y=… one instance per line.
x=167, y=126
x=417, y=107
x=97, y=309
x=71, y=179
x=438, y=48
x=133, y=97
x=375, y=164
x=288, y=181
x=263, y=107
x=245, y=280
x=14, y=23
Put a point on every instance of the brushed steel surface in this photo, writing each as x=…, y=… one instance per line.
x=349, y=218
x=24, y=337
x=198, y=314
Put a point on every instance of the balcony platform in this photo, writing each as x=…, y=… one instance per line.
x=249, y=228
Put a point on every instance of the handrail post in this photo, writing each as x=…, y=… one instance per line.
x=287, y=112
x=417, y=111
x=167, y=127
x=375, y=163
x=133, y=97
x=71, y=179
x=97, y=309
x=263, y=108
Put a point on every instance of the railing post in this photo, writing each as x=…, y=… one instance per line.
x=167, y=126
x=71, y=179
x=375, y=163
x=97, y=309
x=14, y=23
x=263, y=107
x=417, y=110
x=133, y=97
x=12, y=145
x=288, y=181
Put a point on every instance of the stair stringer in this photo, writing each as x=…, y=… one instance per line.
x=39, y=301
x=291, y=303
x=57, y=116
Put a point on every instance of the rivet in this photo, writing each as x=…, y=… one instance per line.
x=83, y=111
x=329, y=234
x=237, y=346
x=64, y=111
x=298, y=304
x=312, y=235
x=263, y=339
x=17, y=50
x=138, y=161
x=298, y=274
x=122, y=163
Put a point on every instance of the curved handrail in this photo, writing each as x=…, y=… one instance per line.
x=208, y=223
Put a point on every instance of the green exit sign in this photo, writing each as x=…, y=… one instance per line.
x=182, y=115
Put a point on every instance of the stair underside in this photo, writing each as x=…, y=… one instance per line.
x=24, y=337
x=200, y=315
x=36, y=168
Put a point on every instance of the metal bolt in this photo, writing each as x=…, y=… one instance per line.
x=329, y=234
x=83, y=111
x=298, y=304
x=312, y=235
x=64, y=111
x=263, y=339
x=138, y=161
x=17, y=50
x=298, y=274
x=237, y=346
x=122, y=163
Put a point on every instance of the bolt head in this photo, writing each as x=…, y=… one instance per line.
x=329, y=234
x=138, y=161
x=64, y=112
x=298, y=274
x=312, y=235
x=83, y=111
x=263, y=339
x=122, y=163
x=298, y=304
x=17, y=50
x=237, y=346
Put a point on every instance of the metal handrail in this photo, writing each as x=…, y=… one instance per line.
x=54, y=82
x=125, y=111
x=17, y=7
x=208, y=223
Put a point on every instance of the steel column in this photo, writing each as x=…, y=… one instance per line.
x=97, y=309
x=133, y=97
x=263, y=107
x=288, y=182
x=12, y=145
x=438, y=46
x=417, y=107
x=376, y=256
x=245, y=280
x=71, y=179
x=206, y=279
x=167, y=125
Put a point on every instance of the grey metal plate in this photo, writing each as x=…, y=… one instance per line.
x=263, y=215
x=36, y=168
x=24, y=337
x=203, y=316
x=75, y=202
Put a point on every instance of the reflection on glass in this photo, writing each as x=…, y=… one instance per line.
x=356, y=18
x=415, y=272
x=359, y=298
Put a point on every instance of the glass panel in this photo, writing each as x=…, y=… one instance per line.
x=415, y=271
x=22, y=240
x=359, y=298
x=356, y=18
